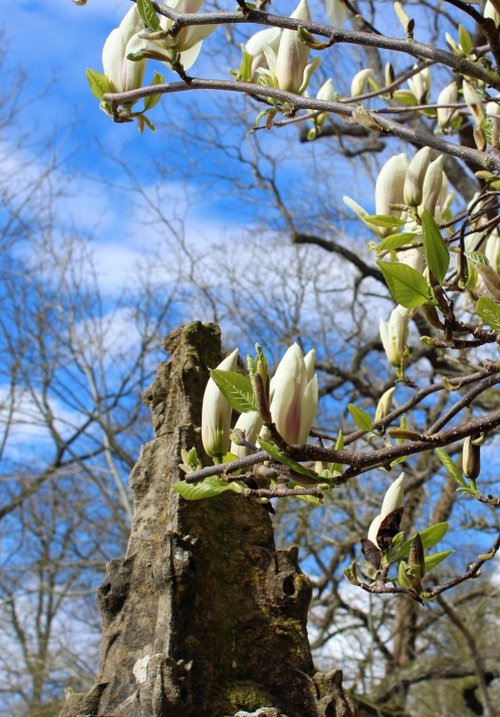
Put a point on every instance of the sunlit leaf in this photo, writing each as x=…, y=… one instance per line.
x=432, y=560
x=489, y=311
x=279, y=456
x=148, y=14
x=407, y=285
x=435, y=250
x=236, y=388
x=99, y=83
x=361, y=418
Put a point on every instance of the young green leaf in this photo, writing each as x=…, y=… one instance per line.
x=402, y=579
x=430, y=537
x=489, y=311
x=152, y=100
x=99, y=83
x=407, y=285
x=395, y=241
x=451, y=466
x=435, y=250
x=148, y=14
x=386, y=221
x=236, y=389
x=275, y=453
x=432, y=560
x=207, y=488
x=361, y=418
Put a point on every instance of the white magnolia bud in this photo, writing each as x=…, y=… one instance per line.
x=420, y=85
x=491, y=12
x=394, y=335
x=292, y=55
x=414, y=179
x=447, y=96
x=250, y=423
x=216, y=413
x=393, y=500
x=384, y=404
x=294, y=399
x=360, y=81
x=474, y=102
x=336, y=12
x=492, y=250
x=433, y=184
x=389, y=187
x=124, y=74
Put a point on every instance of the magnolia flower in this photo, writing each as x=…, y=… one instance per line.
x=394, y=335
x=336, y=12
x=260, y=46
x=420, y=84
x=250, y=423
x=492, y=250
x=327, y=93
x=216, y=413
x=294, y=395
x=414, y=178
x=187, y=43
x=474, y=102
x=389, y=188
x=124, y=74
x=393, y=500
x=447, y=96
x=491, y=12
x=384, y=404
x=360, y=81
x=291, y=60
x=432, y=190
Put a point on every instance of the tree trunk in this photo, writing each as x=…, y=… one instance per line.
x=203, y=616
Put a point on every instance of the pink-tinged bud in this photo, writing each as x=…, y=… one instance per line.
x=216, y=413
x=394, y=334
x=124, y=74
x=292, y=55
x=294, y=395
x=250, y=423
x=447, y=96
x=336, y=12
x=389, y=188
x=414, y=179
x=474, y=102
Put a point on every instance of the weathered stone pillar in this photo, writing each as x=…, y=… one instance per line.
x=203, y=616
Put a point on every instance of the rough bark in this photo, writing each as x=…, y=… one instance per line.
x=203, y=616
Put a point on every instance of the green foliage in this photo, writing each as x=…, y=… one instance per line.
x=148, y=14
x=99, y=83
x=236, y=388
x=489, y=311
x=361, y=418
x=207, y=488
x=435, y=250
x=407, y=286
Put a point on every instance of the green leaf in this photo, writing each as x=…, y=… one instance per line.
x=430, y=537
x=236, y=389
x=402, y=579
x=465, y=40
x=152, y=100
x=207, y=488
x=451, y=466
x=384, y=220
x=395, y=241
x=279, y=456
x=435, y=250
x=339, y=444
x=489, y=311
x=148, y=14
x=477, y=257
x=432, y=560
x=408, y=286
x=99, y=83
x=361, y=418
